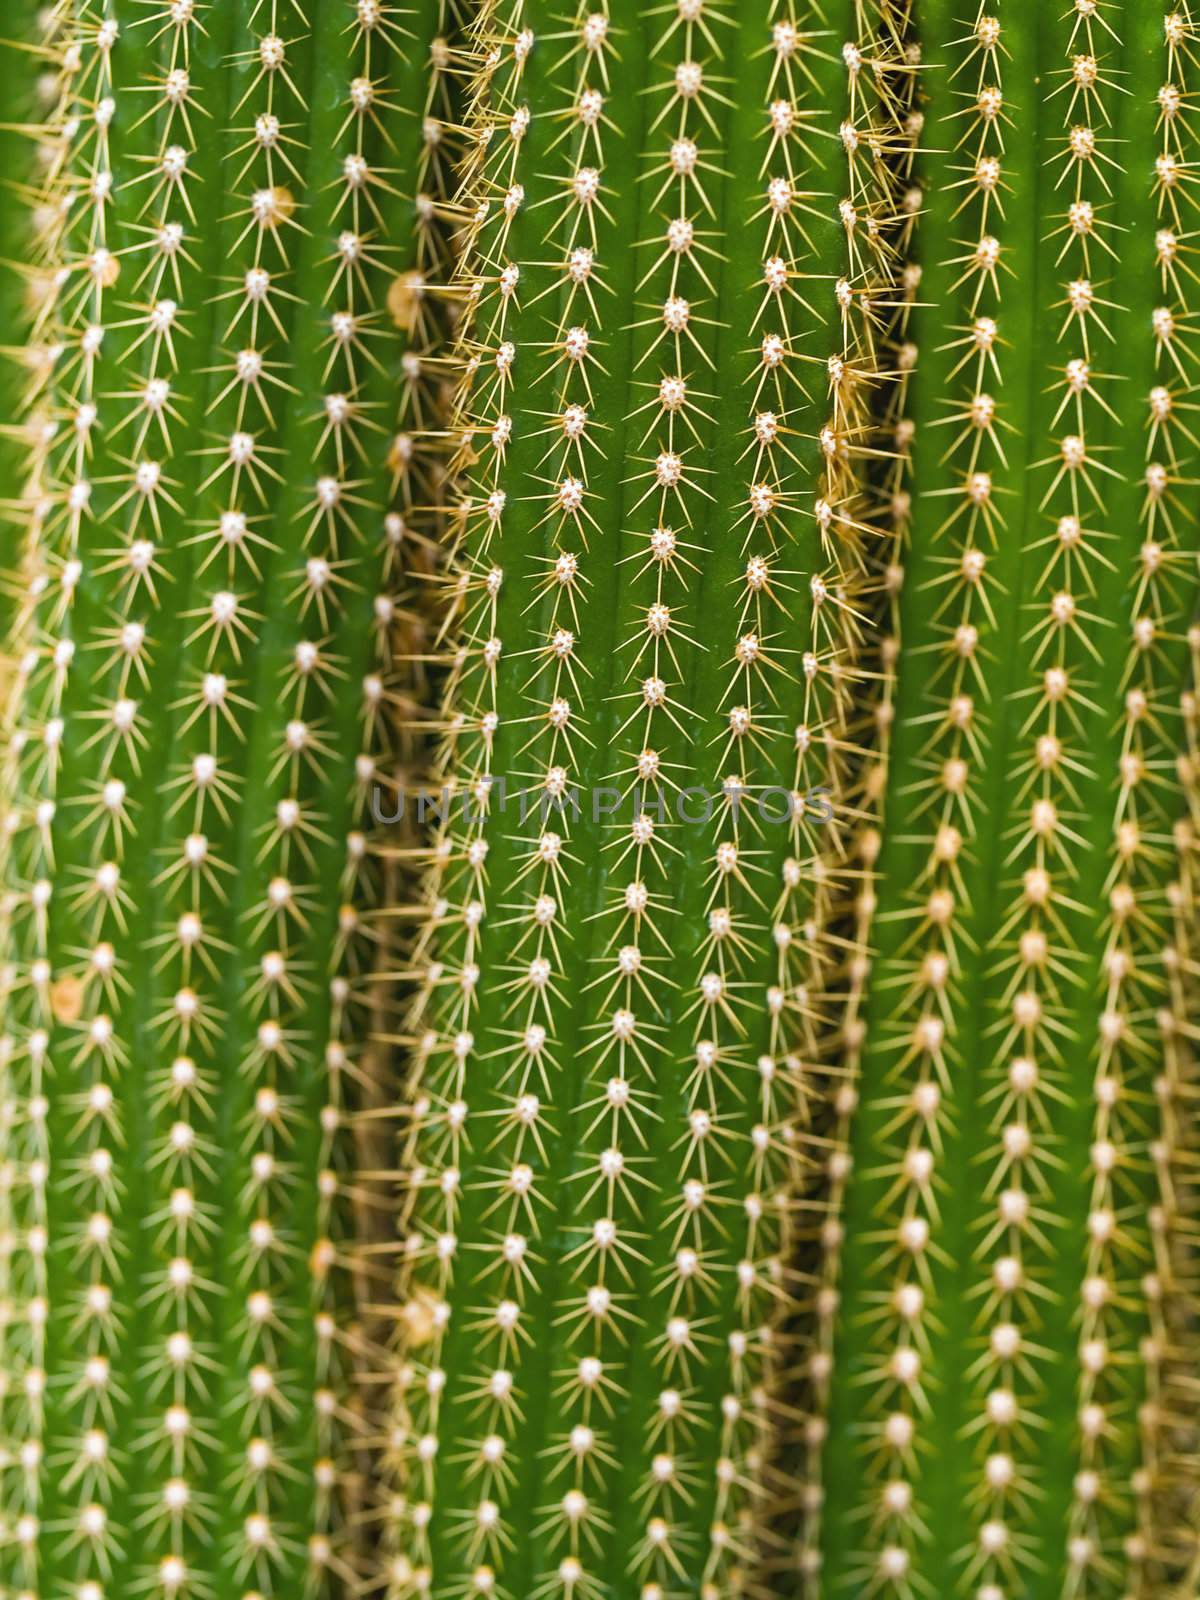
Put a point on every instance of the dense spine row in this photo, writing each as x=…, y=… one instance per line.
x=618, y=1396
x=992, y=1324
x=1160, y=821
x=1167, y=1498
x=598, y=762
x=192, y=752
x=22, y=1193
x=885, y=502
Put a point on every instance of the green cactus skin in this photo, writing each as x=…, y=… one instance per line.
x=997, y=1359
x=886, y=488
x=668, y=376
x=19, y=89
x=796, y=1206
x=1172, y=1510
x=219, y=501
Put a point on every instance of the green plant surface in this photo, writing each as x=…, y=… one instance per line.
x=1170, y=1508
x=739, y=461
x=224, y=464
x=20, y=86
x=886, y=485
x=669, y=368
x=990, y=1426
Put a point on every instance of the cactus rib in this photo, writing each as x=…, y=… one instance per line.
x=192, y=749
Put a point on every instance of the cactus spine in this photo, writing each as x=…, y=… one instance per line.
x=739, y=459
x=216, y=503
x=1168, y=1513
x=999, y=1321
x=657, y=572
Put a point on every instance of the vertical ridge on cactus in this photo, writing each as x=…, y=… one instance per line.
x=658, y=578
x=887, y=507
x=21, y=85
x=192, y=743
x=993, y=1345
x=738, y=460
x=1168, y=1505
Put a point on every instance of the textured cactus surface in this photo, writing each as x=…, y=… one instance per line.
x=736, y=1137
x=222, y=247
x=998, y=1333
x=664, y=408
x=889, y=494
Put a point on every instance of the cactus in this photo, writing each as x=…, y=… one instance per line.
x=653, y=600
x=219, y=483
x=995, y=1368
x=18, y=94
x=966, y=996
x=734, y=461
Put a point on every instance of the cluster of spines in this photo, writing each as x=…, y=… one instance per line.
x=1168, y=1502
x=46, y=581
x=383, y=254
x=1153, y=918
x=23, y=1296
x=660, y=1151
x=423, y=302
x=224, y=1047
x=617, y=1116
x=614, y=1051
x=884, y=510
x=745, y=932
x=916, y=1089
x=433, y=1132
x=1006, y=868
x=1087, y=167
